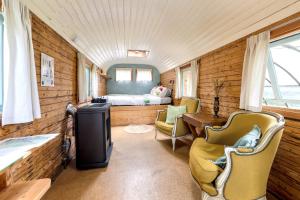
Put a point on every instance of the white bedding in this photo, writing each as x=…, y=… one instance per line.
x=136, y=100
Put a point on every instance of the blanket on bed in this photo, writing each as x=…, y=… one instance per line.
x=137, y=100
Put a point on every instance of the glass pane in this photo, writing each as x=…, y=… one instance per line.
x=123, y=74
x=286, y=58
x=186, y=83
x=286, y=62
x=268, y=91
x=88, y=80
x=1, y=61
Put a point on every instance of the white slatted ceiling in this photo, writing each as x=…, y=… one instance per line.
x=175, y=31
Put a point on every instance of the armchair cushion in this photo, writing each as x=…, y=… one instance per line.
x=250, y=140
x=173, y=112
x=191, y=104
x=201, y=155
x=163, y=126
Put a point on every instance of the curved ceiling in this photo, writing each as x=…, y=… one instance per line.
x=174, y=31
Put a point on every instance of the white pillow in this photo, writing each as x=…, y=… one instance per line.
x=153, y=91
x=169, y=92
x=161, y=91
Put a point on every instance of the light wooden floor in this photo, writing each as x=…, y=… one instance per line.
x=140, y=168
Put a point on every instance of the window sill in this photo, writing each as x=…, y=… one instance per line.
x=288, y=113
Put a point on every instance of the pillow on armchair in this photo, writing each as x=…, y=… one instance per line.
x=173, y=112
x=250, y=140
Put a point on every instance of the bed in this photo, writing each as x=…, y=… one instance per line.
x=136, y=100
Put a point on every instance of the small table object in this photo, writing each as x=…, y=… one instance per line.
x=199, y=120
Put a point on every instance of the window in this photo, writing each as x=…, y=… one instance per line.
x=1, y=60
x=282, y=83
x=144, y=75
x=88, y=80
x=186, y=82
x=123, y=74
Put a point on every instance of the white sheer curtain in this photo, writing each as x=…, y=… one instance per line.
x=123, y=74
x=21, y=100
x=144, y=75
x=178, y=83
x=254, y=71
x=194, y=71
x=82, y=93
x=94, y=81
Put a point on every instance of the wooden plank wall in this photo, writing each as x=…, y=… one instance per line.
x=226, y=63
x=284, y=179
x=102, y=86
x=46, y=162
x=165, y=79
x=126, y=115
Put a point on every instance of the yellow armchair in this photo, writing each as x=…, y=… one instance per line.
x=179, y=128
x=247, y=170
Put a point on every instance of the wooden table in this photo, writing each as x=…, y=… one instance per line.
x=197, y=122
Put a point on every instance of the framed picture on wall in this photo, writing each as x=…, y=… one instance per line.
x=47, y=70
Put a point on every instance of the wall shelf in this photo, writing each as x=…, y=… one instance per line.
x=105, y=76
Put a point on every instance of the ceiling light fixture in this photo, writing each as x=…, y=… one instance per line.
x=138, y=53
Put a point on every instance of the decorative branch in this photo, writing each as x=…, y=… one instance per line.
x=218, y=85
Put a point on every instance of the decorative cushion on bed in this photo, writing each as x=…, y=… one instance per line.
x=160, y=91
x=169, y=92
x=153, y=90
x=173, y=112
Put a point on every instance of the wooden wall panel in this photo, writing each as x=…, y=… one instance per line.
x=46, y=161
x=165, y=79
x=126, y=115
x=101, y=86
x=226, y=63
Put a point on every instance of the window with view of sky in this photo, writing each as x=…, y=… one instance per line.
x=282, y=84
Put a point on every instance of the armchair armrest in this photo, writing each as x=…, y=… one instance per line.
x=161, y=115
x=244, y=150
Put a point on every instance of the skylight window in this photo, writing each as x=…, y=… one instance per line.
x=282, y=84
x=138, y=53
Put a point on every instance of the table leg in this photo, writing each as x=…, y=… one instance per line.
x=193, y=130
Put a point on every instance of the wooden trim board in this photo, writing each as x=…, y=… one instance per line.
x=31, y=190
x=125, y=115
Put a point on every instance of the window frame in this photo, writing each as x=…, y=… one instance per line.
x=144, y=69
x=121, y=68
x=271, y=68
x=182, y=70
x=1, y=59
x=89, y=87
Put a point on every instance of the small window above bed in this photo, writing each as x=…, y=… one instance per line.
x=143, y=74
x=123, y=74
